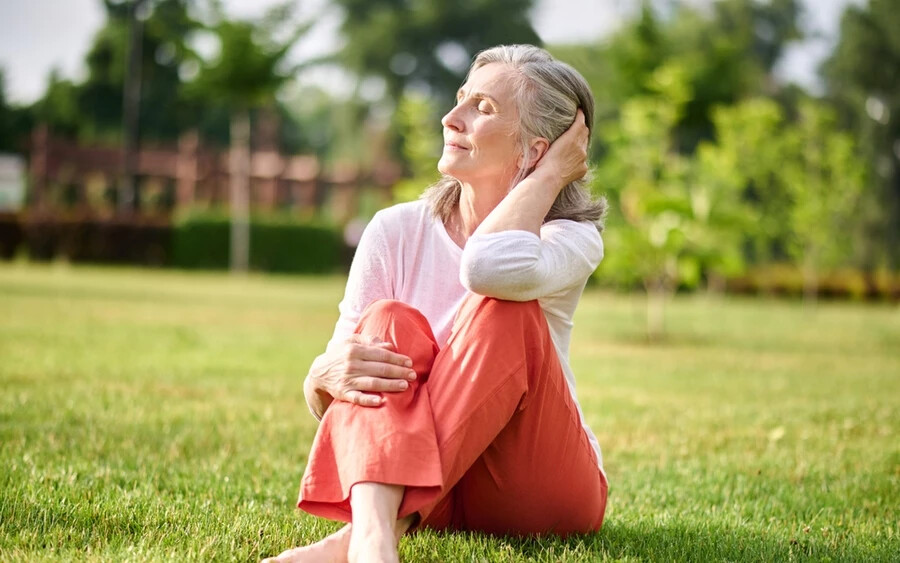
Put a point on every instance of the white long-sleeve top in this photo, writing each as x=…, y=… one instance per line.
x=407, y=255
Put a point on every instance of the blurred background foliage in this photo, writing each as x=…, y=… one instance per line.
x=714, y=168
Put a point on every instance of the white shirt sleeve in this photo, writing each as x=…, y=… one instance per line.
x=371, y=278
x=520, y=266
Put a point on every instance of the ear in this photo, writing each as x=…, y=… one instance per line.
x=536, y=149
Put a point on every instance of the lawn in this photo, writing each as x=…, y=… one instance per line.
x=154, y=415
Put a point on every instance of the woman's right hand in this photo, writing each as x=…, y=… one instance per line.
x=358, y=372
x=566, y=159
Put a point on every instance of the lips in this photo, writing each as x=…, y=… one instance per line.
x=457, y=146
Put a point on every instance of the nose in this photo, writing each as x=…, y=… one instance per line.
x=452, y=120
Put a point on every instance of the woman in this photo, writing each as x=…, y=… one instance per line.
x=445, y=395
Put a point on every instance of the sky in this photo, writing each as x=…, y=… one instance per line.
x=39, y=35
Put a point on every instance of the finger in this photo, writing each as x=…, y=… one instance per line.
x=386, y=370
x=579, y=117
x=365, y=339
x=374, y=341
x=380, y=385
x=380, y=354
x=363, y=399
x=576, y=129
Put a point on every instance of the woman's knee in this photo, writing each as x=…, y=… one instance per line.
x=403, y=325
x=392, y=309
x=501, y=311
x=389, y=307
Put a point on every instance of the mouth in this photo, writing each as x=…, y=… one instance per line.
x=454, y=146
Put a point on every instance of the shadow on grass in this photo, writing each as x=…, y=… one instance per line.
x=642, y=542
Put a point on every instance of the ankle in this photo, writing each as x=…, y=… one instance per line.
x=372, y=546
x=403, y=525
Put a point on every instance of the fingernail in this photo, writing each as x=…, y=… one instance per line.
x=403, y=385
x=412, y=376
x=408, y=363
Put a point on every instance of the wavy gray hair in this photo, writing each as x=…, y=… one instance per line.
x=548, y=94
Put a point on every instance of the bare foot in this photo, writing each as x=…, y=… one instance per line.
x=332, y=549
x=377, y=543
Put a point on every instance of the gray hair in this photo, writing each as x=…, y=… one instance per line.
x=548, y=95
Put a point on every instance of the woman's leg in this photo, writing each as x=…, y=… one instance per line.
x=395, y=443
x=499, y=370
x=520, y=460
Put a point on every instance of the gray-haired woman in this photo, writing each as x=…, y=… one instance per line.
x=445, y=395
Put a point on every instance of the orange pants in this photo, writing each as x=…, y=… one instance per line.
x=487, y=438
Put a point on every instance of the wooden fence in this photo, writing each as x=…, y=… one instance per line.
x=63, y=174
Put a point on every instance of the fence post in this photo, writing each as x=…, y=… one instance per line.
x=40, y=155
x=186, y=168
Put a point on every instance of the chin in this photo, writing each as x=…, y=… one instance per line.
x=446, y=169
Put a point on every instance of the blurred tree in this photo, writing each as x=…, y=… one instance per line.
x=15, y=122
x=728, y=50
x=313, y=111
x=247, y=72
x=676, y=219
x=825, y=177
x=647, y=182
x=422, y=144
x=749, y=150
x=762, y=27
x=58, y=107
x=6, y=133
x=428, y=43
x=862, y=79
x=721, y=218
x=92, y=109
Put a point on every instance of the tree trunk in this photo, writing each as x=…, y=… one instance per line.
x=128, y=198
x=657, y=294
x=239, y=164
x=715, y=284
x=810, y=278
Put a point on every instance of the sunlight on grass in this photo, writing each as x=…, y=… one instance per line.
x=158, y=415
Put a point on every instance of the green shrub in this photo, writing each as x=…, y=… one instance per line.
x=276, y=244
x=11, y=235
x=843, y=283
x=141, y=240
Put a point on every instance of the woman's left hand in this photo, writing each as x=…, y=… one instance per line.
x=566, y=159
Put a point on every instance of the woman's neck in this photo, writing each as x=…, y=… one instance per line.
x=475, y=203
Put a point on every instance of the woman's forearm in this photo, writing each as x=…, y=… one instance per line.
x=524, y=208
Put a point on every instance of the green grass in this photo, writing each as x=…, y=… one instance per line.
x=149, y=415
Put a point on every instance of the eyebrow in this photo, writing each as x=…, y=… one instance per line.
x=487, y=97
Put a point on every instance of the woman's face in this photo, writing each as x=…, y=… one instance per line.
x=481, y=141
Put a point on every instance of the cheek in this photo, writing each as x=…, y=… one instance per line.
x=499, y=141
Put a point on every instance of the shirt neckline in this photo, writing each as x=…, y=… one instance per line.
x=442, y=232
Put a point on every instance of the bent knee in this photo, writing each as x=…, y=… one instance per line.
x=501, y=308
x=391, y=307
x=392, y=311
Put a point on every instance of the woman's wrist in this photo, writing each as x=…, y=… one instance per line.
x=317, y=397
x=548, y=178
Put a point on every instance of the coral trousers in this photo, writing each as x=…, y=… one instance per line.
x=487, y=437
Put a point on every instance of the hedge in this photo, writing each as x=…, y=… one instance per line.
x=277, y=244
x=286, y=244
x=11, y=235
x=139, y=240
